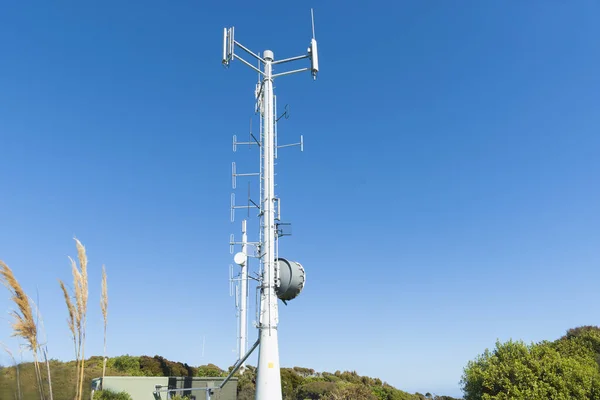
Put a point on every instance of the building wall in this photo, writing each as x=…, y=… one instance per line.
x=142, y=388
x=229, y=392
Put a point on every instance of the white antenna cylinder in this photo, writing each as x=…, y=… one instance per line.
x=314, y=58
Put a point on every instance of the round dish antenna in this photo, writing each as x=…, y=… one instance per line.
x=239, y=258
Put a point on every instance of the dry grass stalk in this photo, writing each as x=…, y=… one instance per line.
x=72, y=325
x=70, y=308
x=78, y=312
x=104, y=307
x=78, y=291
x=43, y=347
x=45, y=352
x=82, y=298
x=7, y=350
x=24, y=325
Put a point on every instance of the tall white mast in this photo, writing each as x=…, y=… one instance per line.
x=280, y=278
x=268, y=380
x=243, y=298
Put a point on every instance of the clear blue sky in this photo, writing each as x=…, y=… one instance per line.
x=448, y=194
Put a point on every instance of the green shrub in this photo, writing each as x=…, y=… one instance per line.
x=350, y=391
x=127, y=364
x=210, y=370
x=315, y=389
x=514, y=370
x=110, y=395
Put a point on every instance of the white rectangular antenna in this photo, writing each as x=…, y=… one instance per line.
x=224, y=46
x=312, y=51
x=228, y=45
x=314, y=58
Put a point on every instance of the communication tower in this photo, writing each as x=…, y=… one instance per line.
x=277, y=278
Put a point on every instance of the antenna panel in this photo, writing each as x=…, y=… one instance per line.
x=228, y=44
x=224, y=59
x=314, y=58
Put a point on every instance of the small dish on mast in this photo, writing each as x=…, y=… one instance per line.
x=239, y=258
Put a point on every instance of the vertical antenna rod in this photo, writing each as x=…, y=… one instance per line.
x=268, y=380
x=312, y=20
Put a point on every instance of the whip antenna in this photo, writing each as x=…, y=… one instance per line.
x=312, y=19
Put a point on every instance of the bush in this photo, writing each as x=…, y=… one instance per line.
x=350, y=392
x=315, y=389
x=514, y=370
x=210, y=370
x=110, y=395
x=127, y=364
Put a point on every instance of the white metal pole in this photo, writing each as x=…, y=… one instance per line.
x=268, y=380
x=244, y=298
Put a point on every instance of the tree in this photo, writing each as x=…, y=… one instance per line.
x=111, y=395
x=290, y=381
x=126, y=364
x=514, y=370
x=304, y=372
x=210, y=370
x=350, y=392
x=245, y=387
x=314, y=390
x=150, y=366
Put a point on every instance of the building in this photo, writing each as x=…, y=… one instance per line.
x=154, y=387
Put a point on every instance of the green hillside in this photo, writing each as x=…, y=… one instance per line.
x=298, y=383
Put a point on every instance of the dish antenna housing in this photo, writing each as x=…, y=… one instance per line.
x=291, y=279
